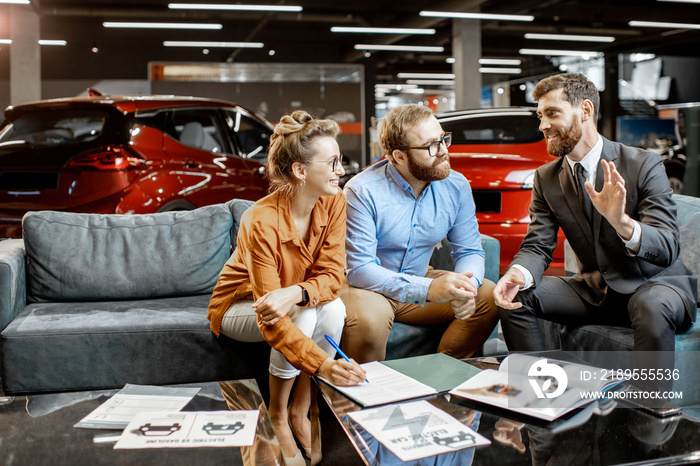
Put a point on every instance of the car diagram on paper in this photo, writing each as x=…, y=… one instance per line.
x=417, y=430
x=190, y=429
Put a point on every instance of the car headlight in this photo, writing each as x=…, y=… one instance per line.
x=528, y=181
x=524, y=177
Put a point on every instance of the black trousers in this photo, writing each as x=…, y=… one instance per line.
x=654, y=312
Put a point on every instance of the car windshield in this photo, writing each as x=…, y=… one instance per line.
x=48, y=128
x=493, y=129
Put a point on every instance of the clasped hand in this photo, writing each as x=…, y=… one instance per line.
x=276, y=304
x=456, y=288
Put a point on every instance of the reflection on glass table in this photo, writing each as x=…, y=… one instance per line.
x=38, y=429
x=606, y=434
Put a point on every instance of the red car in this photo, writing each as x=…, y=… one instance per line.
x=128, y=154
x=498, y=150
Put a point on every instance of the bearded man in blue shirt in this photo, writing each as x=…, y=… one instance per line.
x=398, y=210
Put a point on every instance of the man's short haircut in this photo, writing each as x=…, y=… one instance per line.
x=576, y=89
x=393, y=127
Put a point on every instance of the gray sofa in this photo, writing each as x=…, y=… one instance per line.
x=93, y=301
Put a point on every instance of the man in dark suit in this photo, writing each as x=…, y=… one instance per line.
x=621, y=224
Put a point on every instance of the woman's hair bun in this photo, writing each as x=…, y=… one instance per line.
x=292, y=123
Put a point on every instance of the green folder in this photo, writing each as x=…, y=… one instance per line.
x=439, y=371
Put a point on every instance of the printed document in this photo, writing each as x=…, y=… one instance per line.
x=119, y=410
x=418, y=430
x=189, y=429
x=385, y=385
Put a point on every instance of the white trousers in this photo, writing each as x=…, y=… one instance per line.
x=240, y=323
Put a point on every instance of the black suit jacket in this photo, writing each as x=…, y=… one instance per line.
x=602, y=257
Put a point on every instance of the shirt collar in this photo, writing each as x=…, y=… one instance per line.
x=590, y=160
x=400, y=181
x=287, y=230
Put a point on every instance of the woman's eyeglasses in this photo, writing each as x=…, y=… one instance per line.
x=334, y=163
x=434, y=147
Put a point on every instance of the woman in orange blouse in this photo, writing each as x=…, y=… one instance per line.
x=289, y=259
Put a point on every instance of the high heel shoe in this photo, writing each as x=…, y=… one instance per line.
x=296, y=460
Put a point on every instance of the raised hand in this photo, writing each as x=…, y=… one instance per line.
x=611, y=200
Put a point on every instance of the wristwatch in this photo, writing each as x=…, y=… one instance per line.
x=305, y=298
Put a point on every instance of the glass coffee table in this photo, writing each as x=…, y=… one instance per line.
x=623, y=435
x=38, y=430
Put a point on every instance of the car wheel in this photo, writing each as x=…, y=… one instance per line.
x=178, y=204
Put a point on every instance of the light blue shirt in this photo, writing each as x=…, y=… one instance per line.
x=391, y=234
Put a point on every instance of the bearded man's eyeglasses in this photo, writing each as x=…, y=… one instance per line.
x=434, y=147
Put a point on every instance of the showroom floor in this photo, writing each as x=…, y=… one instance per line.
x=337, y=449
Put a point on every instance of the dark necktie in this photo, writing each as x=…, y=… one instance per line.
x=583, y=198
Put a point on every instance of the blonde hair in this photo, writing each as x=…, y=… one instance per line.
x=293, y=141
x=393, y=127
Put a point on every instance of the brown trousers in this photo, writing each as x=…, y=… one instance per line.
x=370, y=316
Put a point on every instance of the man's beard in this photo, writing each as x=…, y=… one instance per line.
x=431, y=172
x=566, y=140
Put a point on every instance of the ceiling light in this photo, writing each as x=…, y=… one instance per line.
x=400, y=48
x=431, y=82
x=681, y=1
x=416, y=90
x=52, y=42
x=239, y=45
x=500, y=61
x=397, y=87
x=217, y=6
x=656, y=24
x=426, y=75
x=41, y=41
x=562, y=53
x=15, y=2
x=451, y=60
x=486, y=16
x=573, y=37
x=382, y=30
x=500, y=70
x=118, y=24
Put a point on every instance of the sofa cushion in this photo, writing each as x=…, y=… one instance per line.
x=237, y=207
x=92, y=257
x=75, y=346
x=689, y=225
